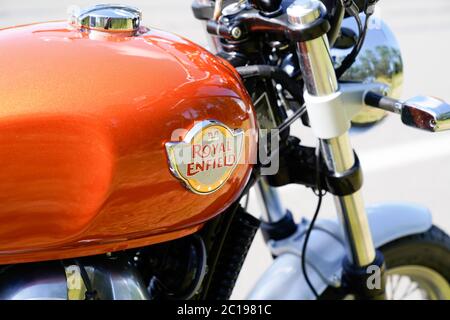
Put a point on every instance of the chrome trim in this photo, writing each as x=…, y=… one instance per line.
x=233, y=8
x=339, y=157
x=270, y=202
x=320, y=80
x=353, y=217
x=39, y=281
x=338, y=153
x=426, y=113
x=111, y=278
x=114, y=279
x=108, y=17
x=315, y=63
x=304, y=11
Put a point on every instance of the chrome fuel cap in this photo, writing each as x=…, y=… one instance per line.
x=108, y=17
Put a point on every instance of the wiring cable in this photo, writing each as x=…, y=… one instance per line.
x=319, y=193
x=353, y=10
x=90, y=293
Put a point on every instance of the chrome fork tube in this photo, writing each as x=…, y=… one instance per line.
x=339, y=157
x=320, y=81
x=271, y=205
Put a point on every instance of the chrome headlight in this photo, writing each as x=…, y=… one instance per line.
x=379, y=60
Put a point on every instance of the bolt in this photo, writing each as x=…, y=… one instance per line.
x=236, y=32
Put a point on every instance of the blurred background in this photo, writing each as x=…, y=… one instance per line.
x=399, y=163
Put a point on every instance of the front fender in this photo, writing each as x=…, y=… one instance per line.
x=284, y=279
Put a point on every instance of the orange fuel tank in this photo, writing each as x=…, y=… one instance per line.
x=84, y=121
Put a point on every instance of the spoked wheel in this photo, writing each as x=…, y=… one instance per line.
x=416, y=283
x=417, y=268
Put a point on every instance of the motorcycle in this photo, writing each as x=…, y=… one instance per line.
x=128, y=154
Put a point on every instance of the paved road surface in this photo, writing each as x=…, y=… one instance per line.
x=401, y=164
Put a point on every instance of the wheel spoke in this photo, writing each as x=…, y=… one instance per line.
x=415, y=282
x=395, y=284
x=410, y=289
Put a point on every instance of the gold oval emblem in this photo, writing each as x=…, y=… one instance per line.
x=206, y=157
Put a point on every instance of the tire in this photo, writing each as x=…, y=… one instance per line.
x=428, y=251
x=419, y=260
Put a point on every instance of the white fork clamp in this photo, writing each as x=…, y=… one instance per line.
x=330, y=116
x=330, y=121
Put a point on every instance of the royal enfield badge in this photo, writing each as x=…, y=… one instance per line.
x=206, y=157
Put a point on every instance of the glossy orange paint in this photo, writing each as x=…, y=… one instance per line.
x=83, y=123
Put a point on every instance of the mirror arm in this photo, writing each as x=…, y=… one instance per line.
x=377, y=100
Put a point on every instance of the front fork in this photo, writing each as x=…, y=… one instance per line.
x=330, y=124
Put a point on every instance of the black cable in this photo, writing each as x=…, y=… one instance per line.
x=320, y=195
x=287, y=123
x=351, y=57
x=90, y=294
x=353, y=10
